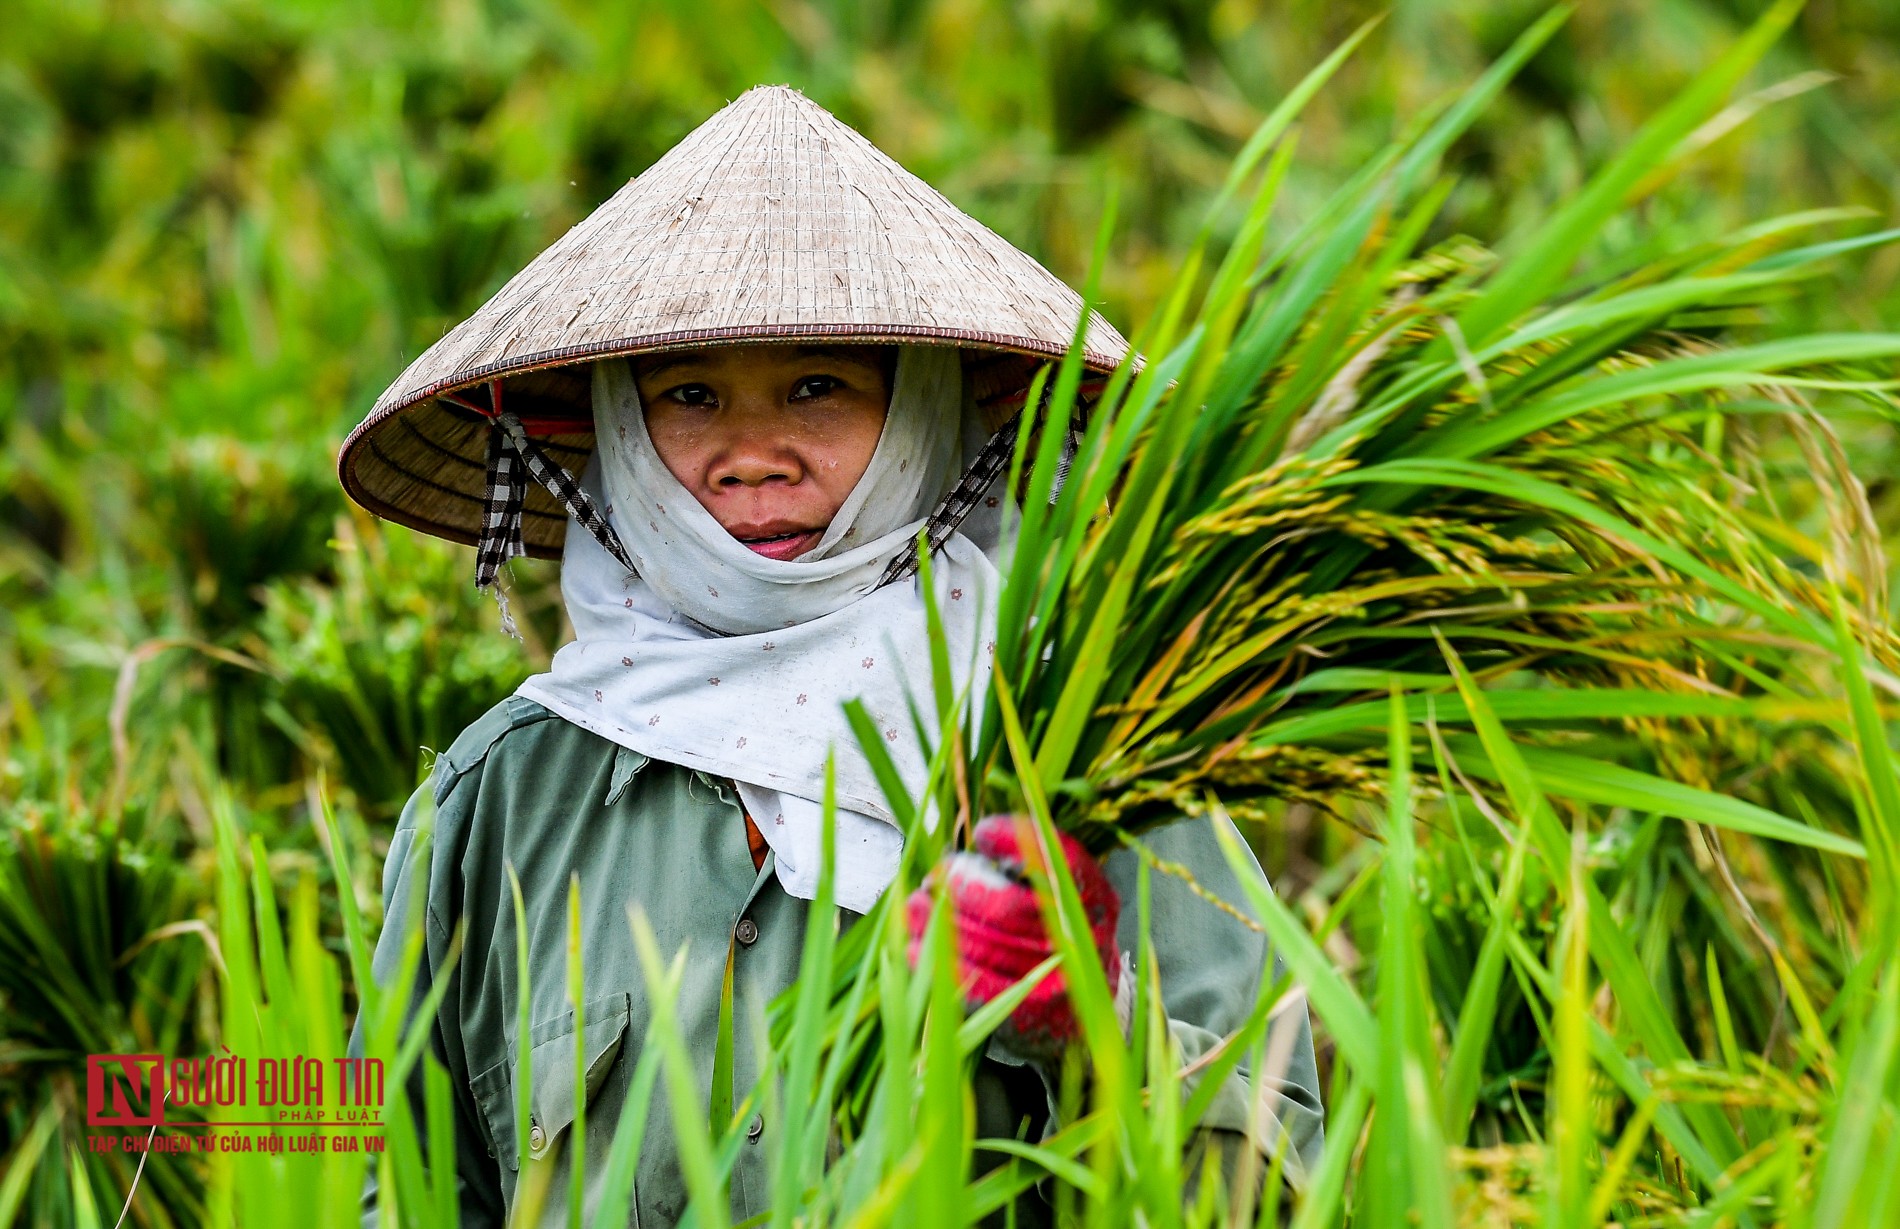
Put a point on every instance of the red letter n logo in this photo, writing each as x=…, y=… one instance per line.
x=125, y=1090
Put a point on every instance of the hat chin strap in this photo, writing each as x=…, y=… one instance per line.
x=956, y=507
x=511, y=450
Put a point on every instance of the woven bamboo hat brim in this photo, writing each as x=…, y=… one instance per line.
x=772, y=221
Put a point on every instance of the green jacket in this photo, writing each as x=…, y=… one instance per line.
x=523, y=788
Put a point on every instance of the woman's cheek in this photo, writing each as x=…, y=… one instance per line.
x=680, y=447
x=862, y=431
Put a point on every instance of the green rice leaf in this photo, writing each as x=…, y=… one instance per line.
x=1606, y=784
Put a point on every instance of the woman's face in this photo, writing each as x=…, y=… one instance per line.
x=769, y=439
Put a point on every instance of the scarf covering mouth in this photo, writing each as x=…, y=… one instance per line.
x=719, y=659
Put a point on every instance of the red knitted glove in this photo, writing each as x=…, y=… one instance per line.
x=1000, y=934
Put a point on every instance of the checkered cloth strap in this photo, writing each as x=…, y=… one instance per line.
x=501, y=510
x=514, y=457
x=952, y=510
x=956, y=507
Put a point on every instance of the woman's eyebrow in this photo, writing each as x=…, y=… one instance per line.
x=653, y=365
x=841, y=353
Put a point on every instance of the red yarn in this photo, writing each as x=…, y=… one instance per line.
x=1000, y=932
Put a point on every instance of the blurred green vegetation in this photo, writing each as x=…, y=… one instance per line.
x=226, y=224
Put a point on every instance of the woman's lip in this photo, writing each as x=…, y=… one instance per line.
x=785, y=546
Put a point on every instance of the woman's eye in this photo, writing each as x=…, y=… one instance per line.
x=691, y=394
x=815, y=386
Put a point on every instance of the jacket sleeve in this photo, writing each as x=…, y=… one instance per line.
x=1212, y=966
x=416, y=894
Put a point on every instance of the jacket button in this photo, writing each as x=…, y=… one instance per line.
x=537, y=1138
x=755, y=1128
x=747, y=931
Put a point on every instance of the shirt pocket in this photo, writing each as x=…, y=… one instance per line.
x=553, y=1077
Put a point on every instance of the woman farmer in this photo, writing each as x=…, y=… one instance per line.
x=772, y=358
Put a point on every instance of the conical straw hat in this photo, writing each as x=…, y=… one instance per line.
x=770, y=221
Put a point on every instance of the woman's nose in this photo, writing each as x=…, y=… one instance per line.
x=754, y=450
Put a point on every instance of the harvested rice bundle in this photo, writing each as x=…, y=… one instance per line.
x=1375, y=500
